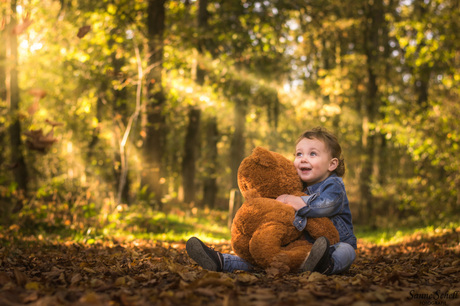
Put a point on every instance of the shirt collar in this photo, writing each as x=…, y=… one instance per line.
x=313, y=188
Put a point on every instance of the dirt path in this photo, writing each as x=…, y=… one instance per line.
x=420, y=271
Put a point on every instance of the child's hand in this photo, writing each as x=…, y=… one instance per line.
x=291, y=200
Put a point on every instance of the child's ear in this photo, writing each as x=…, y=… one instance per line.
x=333, y=164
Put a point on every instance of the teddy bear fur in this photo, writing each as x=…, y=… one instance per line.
x=262, y=231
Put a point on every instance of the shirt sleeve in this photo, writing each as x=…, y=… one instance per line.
x=326, y=202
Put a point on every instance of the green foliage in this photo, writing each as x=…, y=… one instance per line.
x=82, y=220
x=291, y=67
x=385, y=236
x=178, y=224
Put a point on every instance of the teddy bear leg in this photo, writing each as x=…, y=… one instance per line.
x=266, y=247
x=299, y=251
x=240, y=245
x=318, y=227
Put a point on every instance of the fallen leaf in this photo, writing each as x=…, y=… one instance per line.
x=316, y=277
x=37, y=141
x=246, y=278
x=89, y=270
x=450, y=270
x=21, y=278
x=32, y=286
x=75, y=279
x=21, y=27
x=205, y=291
x=83, y=31
x=33, y=108
x=37, y=93
x=4, y=278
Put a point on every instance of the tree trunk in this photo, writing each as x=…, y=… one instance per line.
x=210, y=161
x=96, y=131
x=190, y=155
x=153, y=119
x=371, y=103
x=191, y=144
x=273, y=112
x=210, y=164
x=2, y=95
x=120, y=108
x=237, y=146
x=383, y=149
x=12, y=100
x=5, y=206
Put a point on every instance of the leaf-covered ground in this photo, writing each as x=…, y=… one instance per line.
x=420, y=271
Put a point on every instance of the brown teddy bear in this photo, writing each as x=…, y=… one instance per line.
x=262, y=231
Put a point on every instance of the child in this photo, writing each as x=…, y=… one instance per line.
x=320, y=166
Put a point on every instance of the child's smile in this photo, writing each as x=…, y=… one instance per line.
x=305, y=170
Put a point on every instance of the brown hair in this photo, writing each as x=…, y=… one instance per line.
x=331, y=143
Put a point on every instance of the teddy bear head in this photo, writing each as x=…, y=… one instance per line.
x=267, y=174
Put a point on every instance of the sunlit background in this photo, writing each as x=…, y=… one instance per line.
x=382, y=75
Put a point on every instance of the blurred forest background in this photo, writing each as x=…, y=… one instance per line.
x=133, y=115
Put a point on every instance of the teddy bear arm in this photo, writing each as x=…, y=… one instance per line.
x=298, y=193
x=318, y=227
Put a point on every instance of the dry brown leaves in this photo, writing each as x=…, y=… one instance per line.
x=422, y=271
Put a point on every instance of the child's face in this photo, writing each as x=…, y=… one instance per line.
x=313, y=161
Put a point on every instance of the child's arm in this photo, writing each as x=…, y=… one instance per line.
x=292, y=200
x=327, y=202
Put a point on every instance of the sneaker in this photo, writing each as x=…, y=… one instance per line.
x=319, y=259
x=205, y=256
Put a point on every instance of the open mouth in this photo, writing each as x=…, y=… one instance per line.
x=305, y=169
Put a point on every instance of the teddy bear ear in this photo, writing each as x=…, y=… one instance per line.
x=262, y=156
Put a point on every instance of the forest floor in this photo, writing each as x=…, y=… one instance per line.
x=422, y=270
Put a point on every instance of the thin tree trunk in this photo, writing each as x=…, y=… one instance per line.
x=96, y=131
x=237, y=146
x=423, y=76
x=2, y=93
x=191, y=144
x=371, y=103
x=120, y=109
x=190, y=155
x=383, y=150
x=12, y=99
x=154, y=121
x=4, y=205
x=210, y=187
x=211, y=133
x=123, y=185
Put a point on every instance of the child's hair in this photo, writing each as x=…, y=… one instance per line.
x=331, y=143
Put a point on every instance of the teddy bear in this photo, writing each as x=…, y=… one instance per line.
x=262, y=231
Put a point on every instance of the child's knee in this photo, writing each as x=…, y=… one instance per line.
x=346, y=251
x=344, y=255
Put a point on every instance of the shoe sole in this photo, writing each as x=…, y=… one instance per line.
x=196, y=251
x=317, y=251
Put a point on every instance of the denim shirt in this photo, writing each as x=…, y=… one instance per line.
x=327, y=199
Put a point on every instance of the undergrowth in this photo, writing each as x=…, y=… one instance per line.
x=385, y=236
x=176, y=223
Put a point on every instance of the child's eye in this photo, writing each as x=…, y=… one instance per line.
x=313, y=154
x=298, y=154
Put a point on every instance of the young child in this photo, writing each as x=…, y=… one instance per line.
x=320, y=166
x=319, y=163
